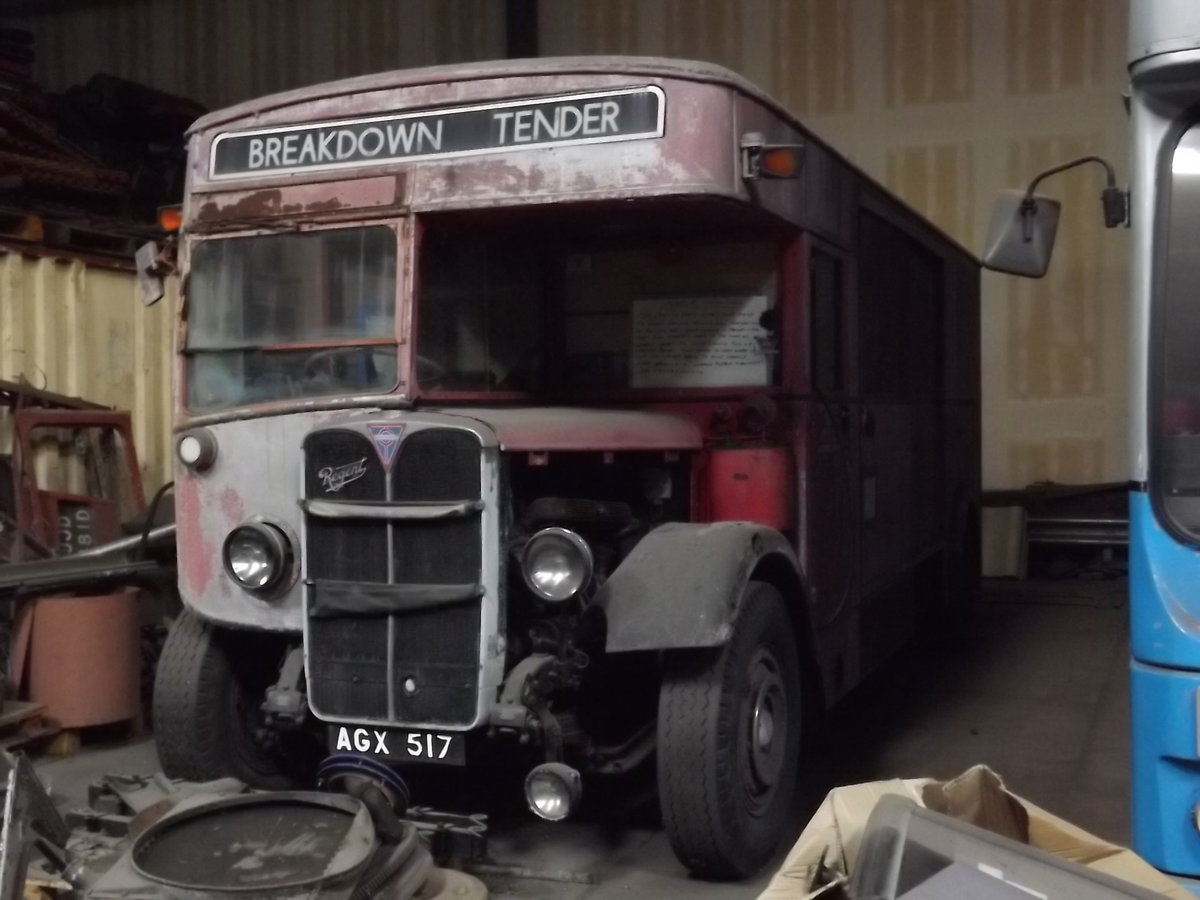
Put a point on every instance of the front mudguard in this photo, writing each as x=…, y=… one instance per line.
x=682, y=584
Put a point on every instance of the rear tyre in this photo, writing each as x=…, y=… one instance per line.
x=729, y=742
x=208, y=692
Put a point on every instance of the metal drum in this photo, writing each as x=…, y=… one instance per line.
x=287, y=844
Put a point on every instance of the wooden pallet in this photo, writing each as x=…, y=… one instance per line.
x=88, y=239
x=60, y=741
x=21, y=226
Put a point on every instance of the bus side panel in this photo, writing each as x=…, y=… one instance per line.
x=963, y=472
x=1164, y=595
x=1166, y=767
x=1164, y=592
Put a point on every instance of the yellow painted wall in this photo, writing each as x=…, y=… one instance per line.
x=83, y=331
x=944, y=101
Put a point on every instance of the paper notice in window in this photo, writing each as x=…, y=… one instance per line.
x=699, y=342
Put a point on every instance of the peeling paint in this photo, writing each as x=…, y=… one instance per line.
x=196, y=557
x=247, y=481
x=307, y=199
x=231, y=505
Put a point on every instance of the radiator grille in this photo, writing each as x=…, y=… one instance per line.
x=437, y=649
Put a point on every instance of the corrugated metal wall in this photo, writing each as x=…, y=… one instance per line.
x=945, y=101
x=219, y=52
x=83, y=331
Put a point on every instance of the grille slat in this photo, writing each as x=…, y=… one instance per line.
x=348, y=669
x=435, y=648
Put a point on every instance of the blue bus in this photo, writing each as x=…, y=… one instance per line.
x=1164, y=494
x=1165, y=491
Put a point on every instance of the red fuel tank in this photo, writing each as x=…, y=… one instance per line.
x=751, y=485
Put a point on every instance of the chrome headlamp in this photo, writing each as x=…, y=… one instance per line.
x=557, y=564
x=257, y=555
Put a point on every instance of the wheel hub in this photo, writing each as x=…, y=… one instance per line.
x=766, y=728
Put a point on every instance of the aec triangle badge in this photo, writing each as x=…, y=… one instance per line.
x=386, y=439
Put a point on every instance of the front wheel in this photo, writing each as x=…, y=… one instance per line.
x=208, y=692
x=729, y=742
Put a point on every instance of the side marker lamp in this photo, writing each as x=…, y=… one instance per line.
x=763, y=160
x=170, y=218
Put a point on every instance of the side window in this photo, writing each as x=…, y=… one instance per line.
x=1175, y=364
x=900, y=291
x=826, y=325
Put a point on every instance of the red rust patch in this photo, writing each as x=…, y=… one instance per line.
x=250, y=206
x=302, y=199
x=232, y=506
x=195, y=553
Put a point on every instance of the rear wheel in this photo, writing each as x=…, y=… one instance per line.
x=729, y=741
x=208, y=693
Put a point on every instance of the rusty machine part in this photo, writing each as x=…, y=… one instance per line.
x=188, y=841
x=453, y=838
x=18, y=538
x=289, y=843
x=65, y=521
x=30, y=823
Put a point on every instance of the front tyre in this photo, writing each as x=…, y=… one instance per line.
x=729, y=742
x=208, y=693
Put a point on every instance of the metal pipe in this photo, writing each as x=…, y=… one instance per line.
x=153, y=536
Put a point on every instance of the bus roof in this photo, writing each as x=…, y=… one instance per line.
x=242, y=114
x=652, y=66
x=1162, y=26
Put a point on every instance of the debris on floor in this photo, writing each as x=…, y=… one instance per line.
x=153, y=837
x=972, y=826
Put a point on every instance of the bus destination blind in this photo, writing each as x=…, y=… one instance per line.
x=461, y=131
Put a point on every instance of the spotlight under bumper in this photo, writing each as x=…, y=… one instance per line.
x=553, y=791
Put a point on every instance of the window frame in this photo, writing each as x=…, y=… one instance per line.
x=553, y=318
x=396, y=224
x=1156, y=349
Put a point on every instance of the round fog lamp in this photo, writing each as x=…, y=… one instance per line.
x=257, y=555
x=553, y=791
x=557, y=564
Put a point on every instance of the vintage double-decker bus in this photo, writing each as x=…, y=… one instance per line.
x=587, y=413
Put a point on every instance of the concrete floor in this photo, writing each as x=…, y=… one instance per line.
x=1039, y=693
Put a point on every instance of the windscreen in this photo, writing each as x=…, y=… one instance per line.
x=596, y=303
x=1176, y=367
x=291, y=315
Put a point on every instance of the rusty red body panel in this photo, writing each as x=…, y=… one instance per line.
x=537, y=429
x=752, y=484
x=325, y=198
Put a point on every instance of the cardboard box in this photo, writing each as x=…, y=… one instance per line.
x=826, y=852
